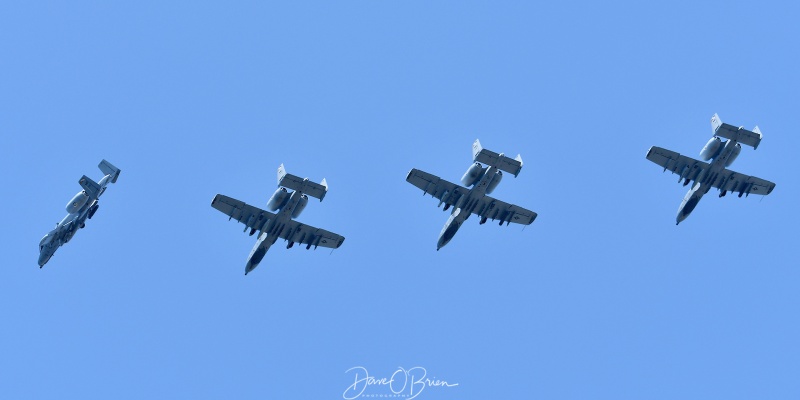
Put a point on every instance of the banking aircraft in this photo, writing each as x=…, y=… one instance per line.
x=82, y=207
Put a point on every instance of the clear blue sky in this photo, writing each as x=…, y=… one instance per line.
x=603, y=297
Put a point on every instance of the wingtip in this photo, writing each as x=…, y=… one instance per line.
x=410, y=172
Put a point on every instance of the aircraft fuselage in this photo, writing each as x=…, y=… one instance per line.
x=703, y=182
x=272, y=231
x=464, y=207
x=80, y=208
x=63, y=233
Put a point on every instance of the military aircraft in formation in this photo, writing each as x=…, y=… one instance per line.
x=479, y=181
x=287, y=205
x=714, y=174
x=79, y=209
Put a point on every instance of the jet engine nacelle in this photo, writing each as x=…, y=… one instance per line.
x=301, y=205
x=77, y=202
x=734, y=154
x=473, y=174
x=278, y=199
x=495, y=181
x=711, y=149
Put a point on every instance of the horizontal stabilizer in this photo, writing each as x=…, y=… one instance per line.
x=302, y=185
x=109, y=169
x=89, y=186
x=739, y=134
x=499, y=161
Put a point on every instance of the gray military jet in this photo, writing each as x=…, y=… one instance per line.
x=271, y=226
x=80, y=208
x=713, y=174
x=465, y=200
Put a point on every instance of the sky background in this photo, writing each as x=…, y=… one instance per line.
x=603, y=297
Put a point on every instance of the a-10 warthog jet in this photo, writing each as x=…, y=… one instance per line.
x=271, y=226
x=80, y=208
x=713, y=174
x=465, y=200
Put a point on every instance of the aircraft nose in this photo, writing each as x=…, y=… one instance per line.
x=249, y=267
x=447, y=234
x=442, y=242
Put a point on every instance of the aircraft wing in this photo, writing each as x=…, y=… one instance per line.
x=449, y=193
x=491, y=208
x=253, y=217
x=733, y=181
x=310, y=236
x=256, y=218
x=446, y=192
x=686, y=167
x=690, y=168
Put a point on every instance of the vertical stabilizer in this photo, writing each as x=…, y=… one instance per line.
x=715, y=124
x=89, y=186
x=281, y=173
x=476, y=149
x=109, y=169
